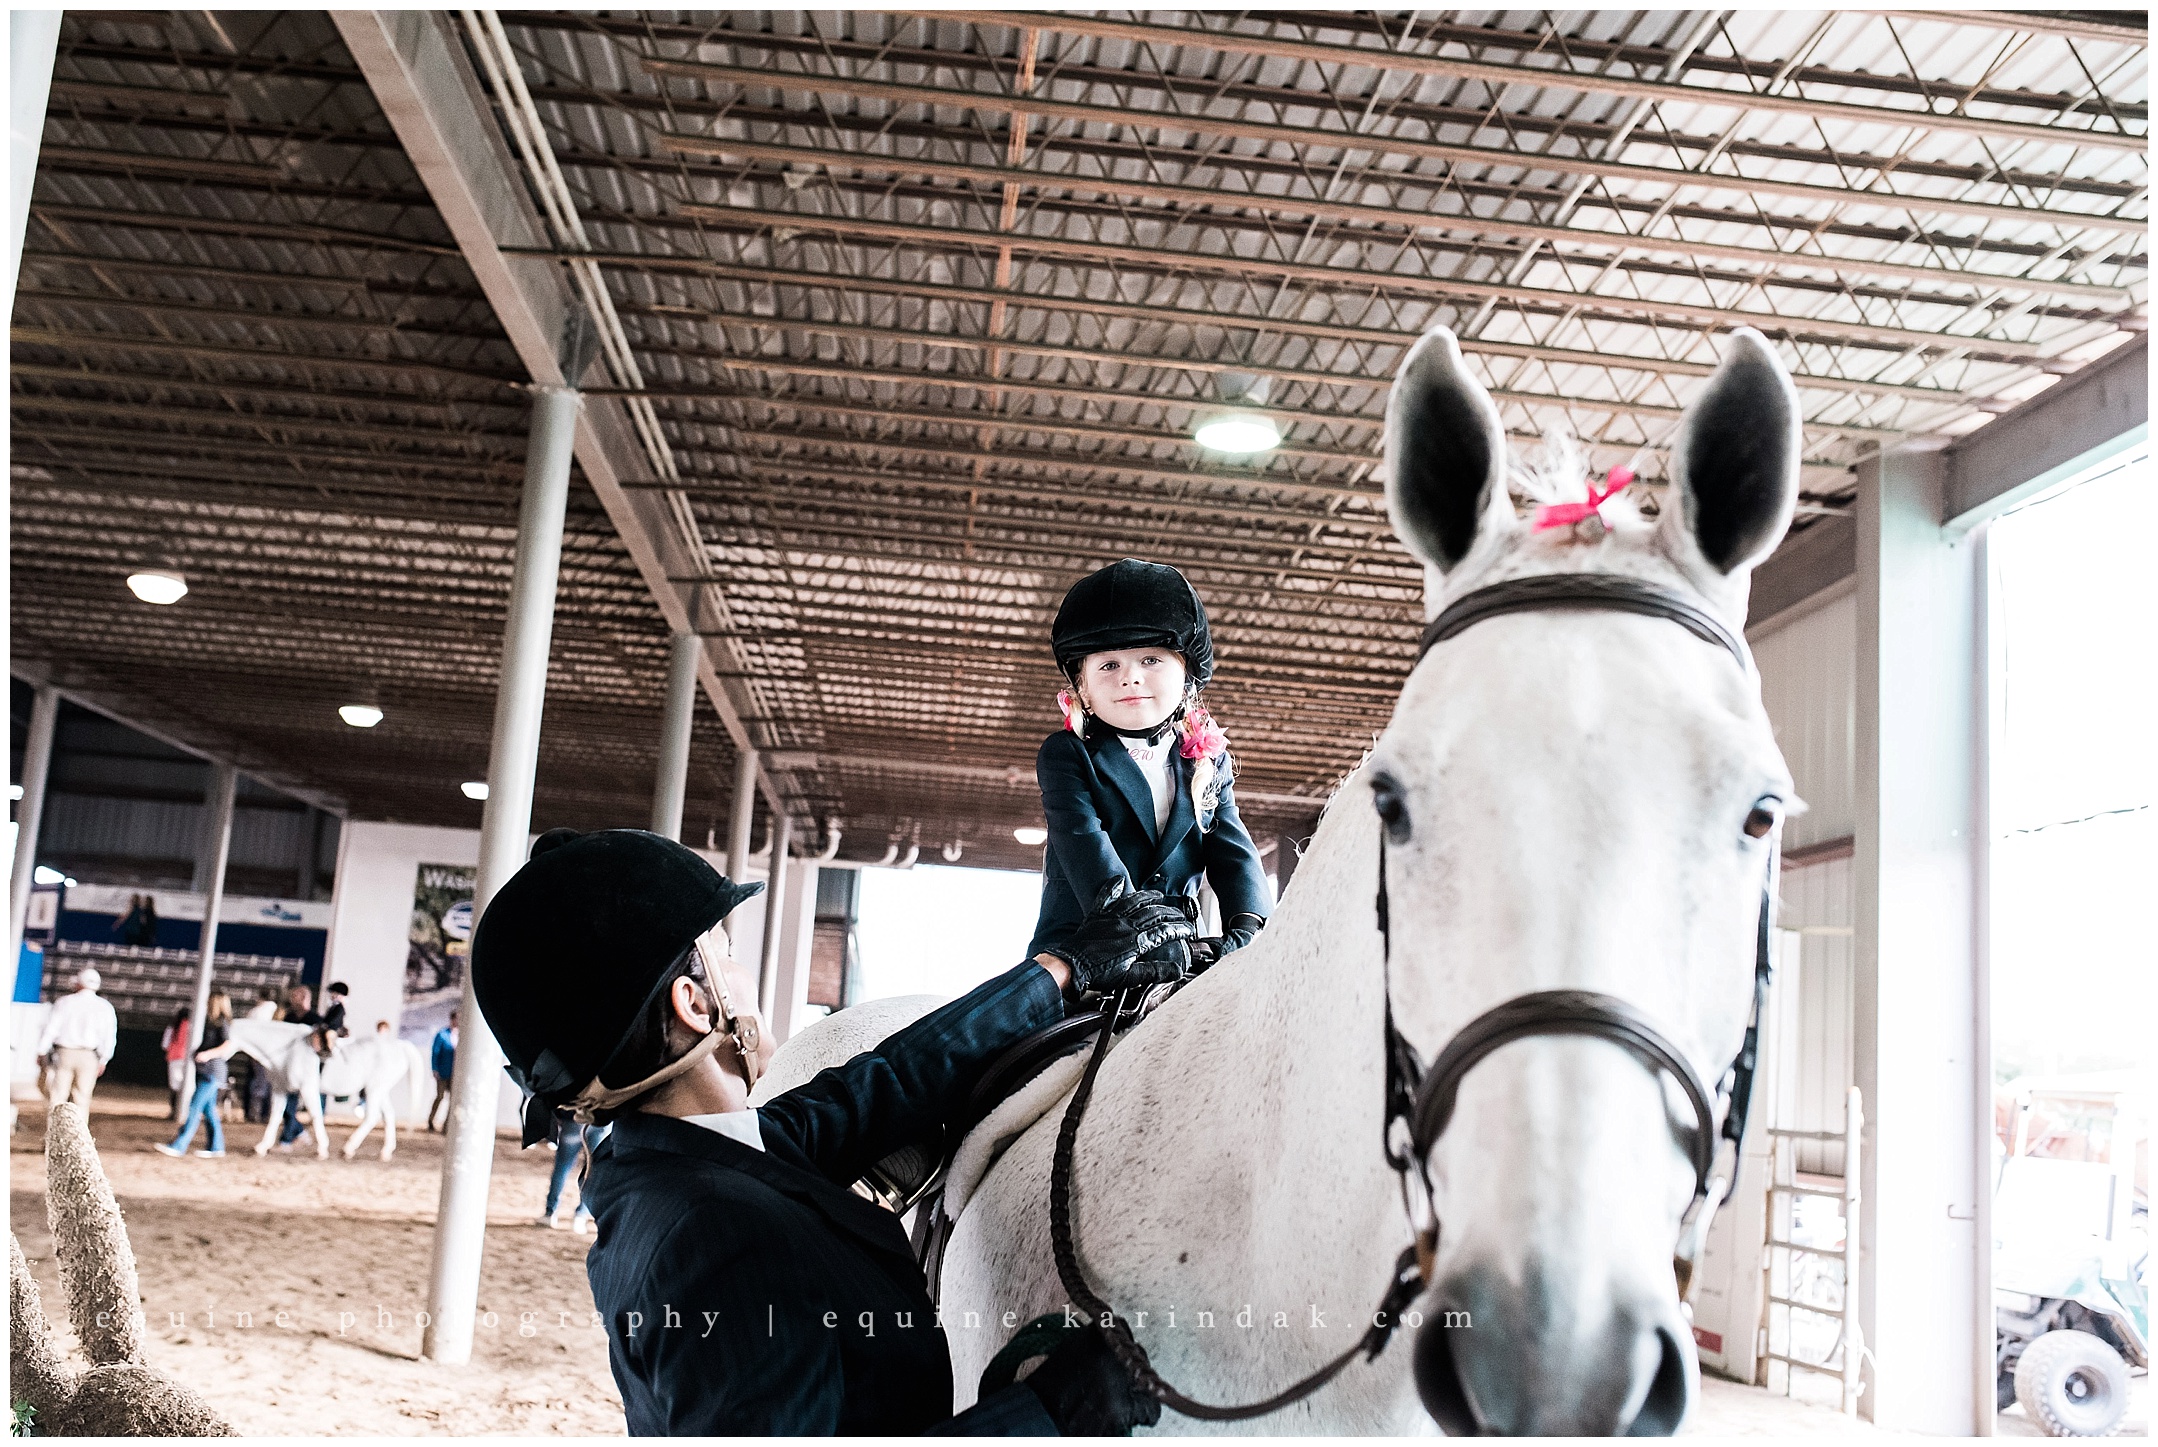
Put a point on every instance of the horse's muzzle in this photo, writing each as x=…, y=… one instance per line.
x=1493, y=1359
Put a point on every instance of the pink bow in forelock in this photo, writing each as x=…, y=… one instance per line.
x=1203, y=737
x=1074, y=715
x=1566, y=514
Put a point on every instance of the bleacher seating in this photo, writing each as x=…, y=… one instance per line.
x=146, y=985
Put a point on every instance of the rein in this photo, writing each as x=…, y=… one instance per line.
x=1420, y=1101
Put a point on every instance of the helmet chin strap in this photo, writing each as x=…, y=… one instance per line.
x=733, y=1028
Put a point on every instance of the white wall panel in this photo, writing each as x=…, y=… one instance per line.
x=1817, y=1069
x=1809, y=681
x=128, y=828
x=165, y=829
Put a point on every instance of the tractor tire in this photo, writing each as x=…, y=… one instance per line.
x=2072, y=1384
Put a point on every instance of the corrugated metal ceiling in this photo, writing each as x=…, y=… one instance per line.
x=929, y=304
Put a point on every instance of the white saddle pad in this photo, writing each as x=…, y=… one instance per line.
x=983, y=1144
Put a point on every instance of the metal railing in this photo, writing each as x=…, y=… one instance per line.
x=1791, y=1266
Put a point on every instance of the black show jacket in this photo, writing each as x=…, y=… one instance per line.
x=1100, y=815
x=750, y=1292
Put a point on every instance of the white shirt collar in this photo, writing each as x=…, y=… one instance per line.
x=740, y=1125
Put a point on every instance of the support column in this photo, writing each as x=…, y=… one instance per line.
x=1286, y=857
x=505, y=828
x=1924, y=1291
x=36, y=766
x=310, y=846
x=207, y=867
x=224, y=789
x=33, y=40
x=774, y=914
x=798, y=930
x=672, y=784
x=744, y=810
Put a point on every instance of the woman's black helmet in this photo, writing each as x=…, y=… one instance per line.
x=574, y=945
x=1132, y=604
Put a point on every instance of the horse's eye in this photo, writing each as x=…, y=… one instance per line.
x=1393, y=809
x=1764, y=815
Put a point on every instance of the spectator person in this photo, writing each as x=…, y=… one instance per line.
x=299, y=1009
x=211, y=1067
x=139, y=925
x=569, y=1145
x=78, y=1041
x=385, y=1032
x=444, y=1060
x=174, y=1045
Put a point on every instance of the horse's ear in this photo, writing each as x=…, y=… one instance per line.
x=1445, y=455
x=1734, y=468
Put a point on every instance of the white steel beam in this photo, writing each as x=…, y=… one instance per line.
x=775, y=909
x=415, y=63
x=2063, y=431
x=36, y=765
x=1919, y=992
x=672, y=781
x=224, y=790
x=505, y=831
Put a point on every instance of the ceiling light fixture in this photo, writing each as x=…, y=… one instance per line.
x=157, y=585
x=1031, y=836
x=360, y=715
x=1238, y=434
x=474, y=789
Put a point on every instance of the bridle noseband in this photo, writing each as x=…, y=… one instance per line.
x=1420, y=1101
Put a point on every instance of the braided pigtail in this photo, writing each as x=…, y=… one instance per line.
x=1074, y=711
x=1207, y=745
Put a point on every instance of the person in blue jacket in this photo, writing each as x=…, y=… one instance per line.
x=1139, y=785
x=744, y=1288
x=442, y=1058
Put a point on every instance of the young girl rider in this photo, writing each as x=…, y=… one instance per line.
x=1137, y=785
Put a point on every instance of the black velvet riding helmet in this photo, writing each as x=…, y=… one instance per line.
x=572, y=948
x=1134, y=604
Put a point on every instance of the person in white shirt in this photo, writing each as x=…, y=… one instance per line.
x=78, y=1042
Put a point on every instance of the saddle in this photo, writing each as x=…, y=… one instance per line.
x=913, y=1179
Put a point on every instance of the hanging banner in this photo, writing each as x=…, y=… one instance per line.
x=439, y=940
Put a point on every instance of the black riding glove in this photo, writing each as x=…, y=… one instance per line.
x=1087, y=1392
x=1193, y=955
x=1105, y=952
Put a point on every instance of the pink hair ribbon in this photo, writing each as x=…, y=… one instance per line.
x=1566, y=514
x=1203, y=738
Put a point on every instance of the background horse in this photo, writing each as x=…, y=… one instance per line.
x=375, y=1064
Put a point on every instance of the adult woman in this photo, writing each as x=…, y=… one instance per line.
x=210, y=1066
x=745, y=1289
x=1138, y=784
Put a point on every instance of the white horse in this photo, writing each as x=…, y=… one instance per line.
x=375, y=1064
x=1572, y=799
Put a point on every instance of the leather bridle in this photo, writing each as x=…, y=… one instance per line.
x=1420, y=1100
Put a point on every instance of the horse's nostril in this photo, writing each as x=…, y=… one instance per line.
x=1670, y=1395
x=1439, y=1384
